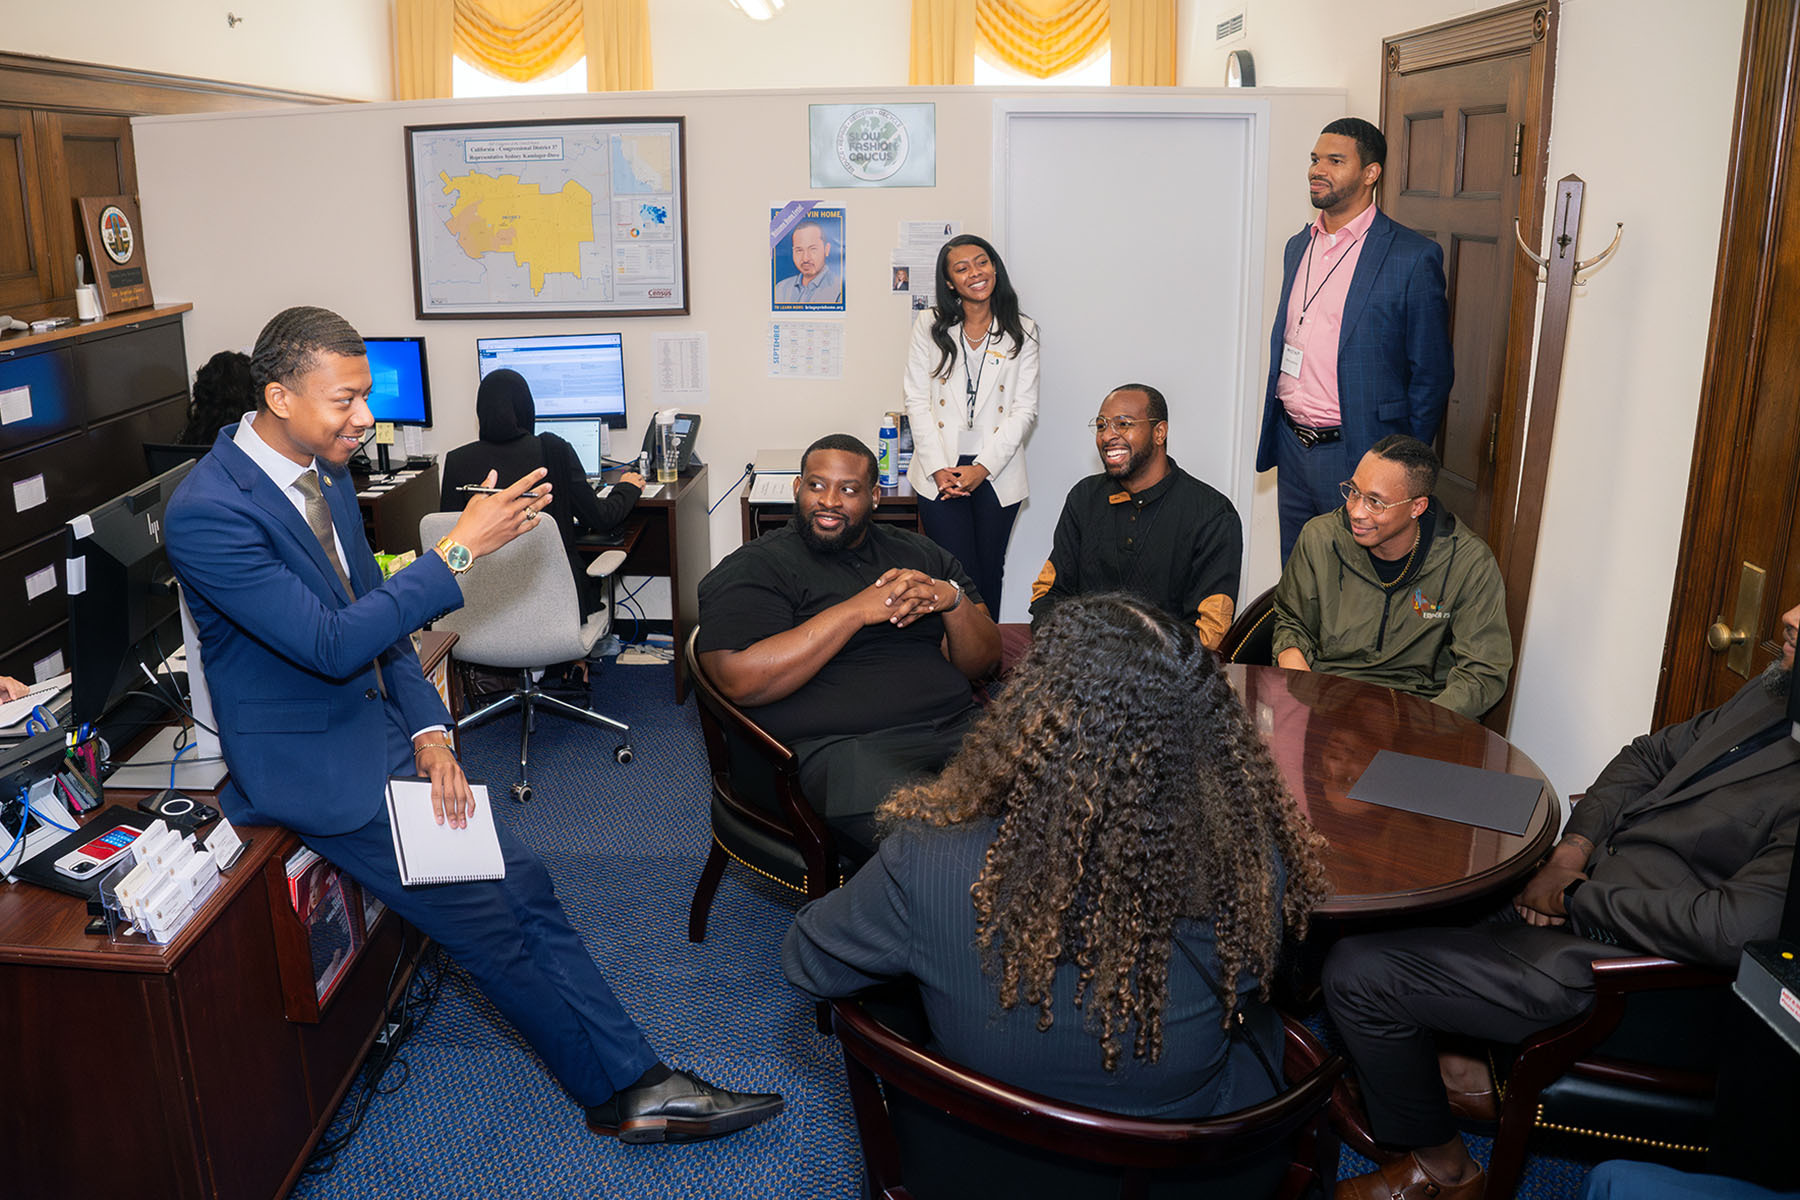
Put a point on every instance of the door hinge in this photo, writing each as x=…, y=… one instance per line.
x=1493, y=439
x=1518, y=148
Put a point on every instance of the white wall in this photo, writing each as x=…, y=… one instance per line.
x=704, y=44
x=746, y=152
x=331, y=47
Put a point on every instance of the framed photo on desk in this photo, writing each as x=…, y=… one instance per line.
x=555, y=218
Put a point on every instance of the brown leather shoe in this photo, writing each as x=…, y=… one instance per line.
x=1474, y=1106
x=1406, y=1179
x=1479, y=1106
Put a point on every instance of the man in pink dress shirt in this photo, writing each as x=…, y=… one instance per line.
x=1361, y=343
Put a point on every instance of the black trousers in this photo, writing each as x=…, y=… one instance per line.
x=847, y=777
x=1388, y=993
x=974, y=529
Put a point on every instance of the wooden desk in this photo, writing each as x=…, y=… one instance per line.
x=1323, y=730
x=174, y=1070
x=669, y=535
x=204, y=1068
x=391, y=519
x=898, y=505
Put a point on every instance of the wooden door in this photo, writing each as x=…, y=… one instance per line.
x=1745, y=478
x=90, y=155
x=1465, y=112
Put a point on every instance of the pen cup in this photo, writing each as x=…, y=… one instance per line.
x=87, y=302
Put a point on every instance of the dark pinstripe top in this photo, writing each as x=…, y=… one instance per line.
x=908, y=913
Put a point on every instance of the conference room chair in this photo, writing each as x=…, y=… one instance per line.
x=1251, y=637
x=761, y=817
x=932, y=1129
x=521, y=614
x=1633, y=1077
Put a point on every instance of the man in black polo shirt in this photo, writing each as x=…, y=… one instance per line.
x=852, y=642
x=1144, y=525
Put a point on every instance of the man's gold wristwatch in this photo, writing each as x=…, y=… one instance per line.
x=456, y=556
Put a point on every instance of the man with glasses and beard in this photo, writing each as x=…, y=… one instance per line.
x=1390, y=588
x=1681, y=848
x=1144, y=525
x=853, y=642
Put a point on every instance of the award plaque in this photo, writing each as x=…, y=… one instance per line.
x=115, y=245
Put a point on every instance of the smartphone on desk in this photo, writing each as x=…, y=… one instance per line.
x=96, y=854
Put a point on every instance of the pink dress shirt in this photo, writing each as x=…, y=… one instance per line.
x=1312, y=399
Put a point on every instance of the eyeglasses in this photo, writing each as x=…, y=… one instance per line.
x=1121, y=424
x=1351, y=495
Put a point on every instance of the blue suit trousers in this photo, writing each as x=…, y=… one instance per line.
x=511, y=936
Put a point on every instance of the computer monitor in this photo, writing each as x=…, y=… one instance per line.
x=126, y=621
x=586, y=436
x=402, y=391
x=571, y=374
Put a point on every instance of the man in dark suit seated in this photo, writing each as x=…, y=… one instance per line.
x=851, y=641
x=320, y=699
x=1681, y=848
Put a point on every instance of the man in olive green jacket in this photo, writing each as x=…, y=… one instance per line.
x=1392, y=589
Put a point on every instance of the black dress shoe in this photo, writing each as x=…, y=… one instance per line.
x=682, y=1108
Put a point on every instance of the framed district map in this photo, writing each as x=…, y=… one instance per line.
x=568, y=218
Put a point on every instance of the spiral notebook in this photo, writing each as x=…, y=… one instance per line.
x=431, y=853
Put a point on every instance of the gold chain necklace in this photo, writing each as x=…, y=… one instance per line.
x=1418, y=536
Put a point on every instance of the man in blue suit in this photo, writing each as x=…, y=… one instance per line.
x=319, y=698
x=1361, y=344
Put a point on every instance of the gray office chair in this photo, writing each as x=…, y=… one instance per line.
x=520, y=612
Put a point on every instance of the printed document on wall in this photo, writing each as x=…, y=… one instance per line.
x=678, y=361
x=806, y=349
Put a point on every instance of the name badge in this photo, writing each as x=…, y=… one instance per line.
x=1290, y=359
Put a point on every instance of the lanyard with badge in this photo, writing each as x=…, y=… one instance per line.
x=968, y=441
x=1293, y=351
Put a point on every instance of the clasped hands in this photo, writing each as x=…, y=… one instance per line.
x=954, y=483
x=901, y=597
x=1540, y=901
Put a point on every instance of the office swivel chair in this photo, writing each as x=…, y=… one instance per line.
x=521, y=613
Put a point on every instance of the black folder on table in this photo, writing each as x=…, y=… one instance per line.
x=1451, y=791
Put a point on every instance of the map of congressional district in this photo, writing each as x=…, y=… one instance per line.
x=562, y=217
x=542, y=231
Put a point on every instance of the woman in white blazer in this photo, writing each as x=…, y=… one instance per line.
x=971, y=398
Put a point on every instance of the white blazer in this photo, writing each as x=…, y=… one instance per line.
x=1006, y=405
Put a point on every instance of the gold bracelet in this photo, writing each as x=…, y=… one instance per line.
x=418, y=750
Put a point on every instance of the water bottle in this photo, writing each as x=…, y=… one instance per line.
x=889, y=440
x=667, y=451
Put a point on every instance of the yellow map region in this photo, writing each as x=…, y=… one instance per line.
x=497, y=214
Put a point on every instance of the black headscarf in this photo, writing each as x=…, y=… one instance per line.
x=503, y=407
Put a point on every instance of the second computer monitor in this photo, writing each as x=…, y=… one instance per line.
x=402, y=386
x=571, y=375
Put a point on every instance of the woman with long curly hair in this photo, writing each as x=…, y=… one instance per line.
x=971, y=390
x=1110, y=853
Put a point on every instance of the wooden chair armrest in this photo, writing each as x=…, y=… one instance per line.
x=1649, y=973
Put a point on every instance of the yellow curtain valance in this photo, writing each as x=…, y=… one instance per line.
x=519, y=40
x=1041, y=37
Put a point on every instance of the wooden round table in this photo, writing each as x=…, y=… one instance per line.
x=1323, y=730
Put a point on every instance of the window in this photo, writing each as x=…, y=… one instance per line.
x=1096, y=72
x=466, y=81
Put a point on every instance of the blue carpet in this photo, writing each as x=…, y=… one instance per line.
x=478, y=1115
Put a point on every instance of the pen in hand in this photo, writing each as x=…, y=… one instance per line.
x=488, y=491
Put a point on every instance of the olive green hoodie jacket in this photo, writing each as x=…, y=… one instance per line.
x=1439, y=631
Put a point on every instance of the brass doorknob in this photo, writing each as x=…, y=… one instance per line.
x=1720, y=636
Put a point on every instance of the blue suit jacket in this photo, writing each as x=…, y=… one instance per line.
x=288, y=658
x=1394, y=362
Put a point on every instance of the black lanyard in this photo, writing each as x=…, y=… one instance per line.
x=972, y=383
x=1306, y=301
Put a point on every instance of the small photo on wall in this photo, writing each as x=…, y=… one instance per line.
x=806, y=267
